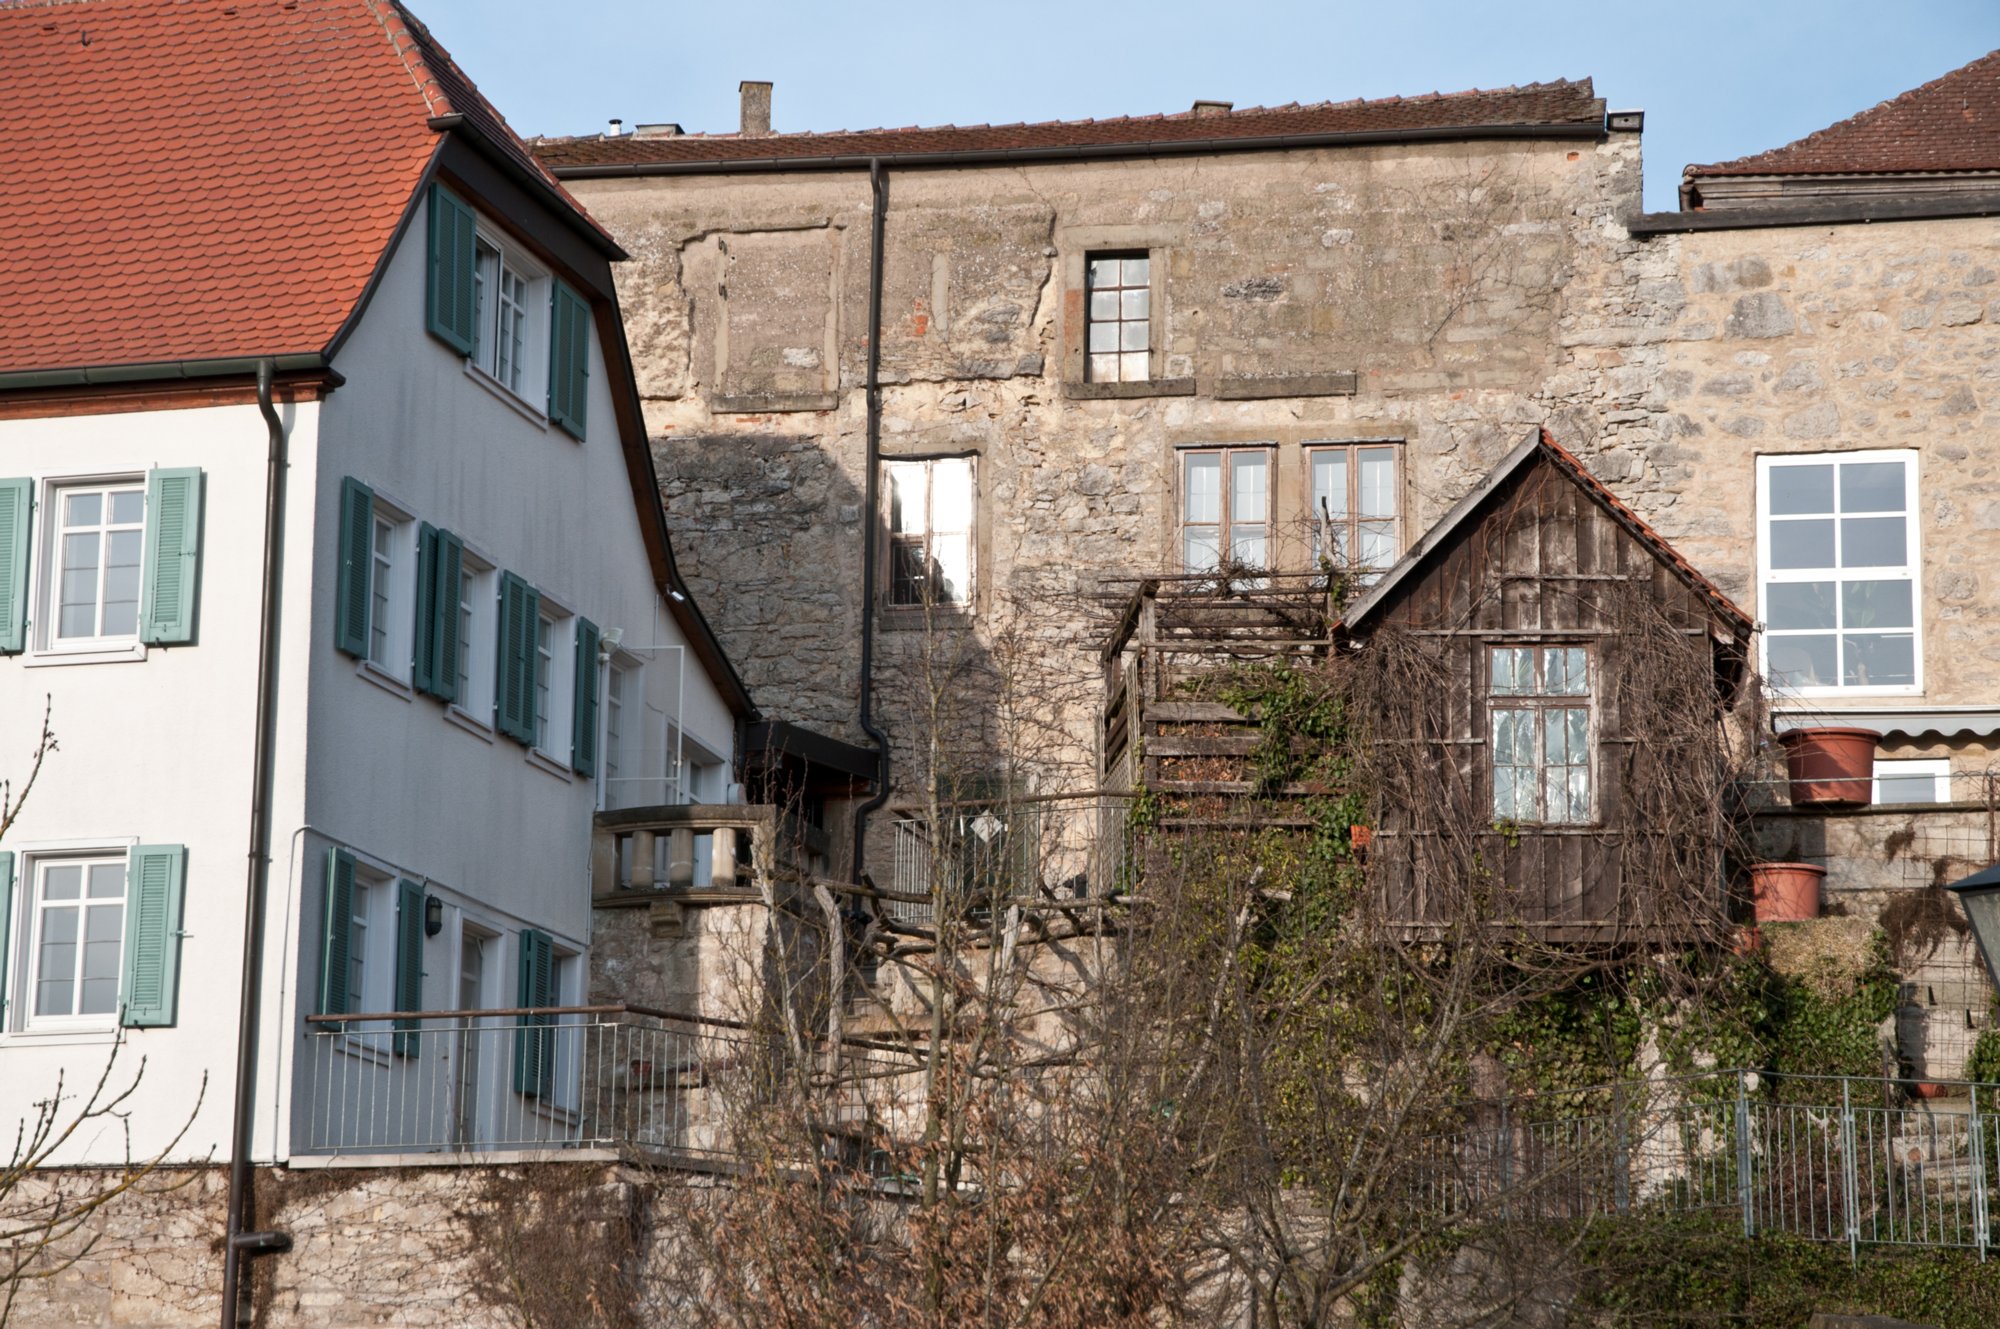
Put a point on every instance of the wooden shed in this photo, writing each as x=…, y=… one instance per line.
x=1575, y=669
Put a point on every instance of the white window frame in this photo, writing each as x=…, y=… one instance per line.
x=554, y=698
x=1937, y=768
x=478, y=644
x=1224, y=526
x=621, y=734
x=530, y=385
x=44, y=645
x=371, y=959
x=397, y=603
x=27, y=959
x=563, y=1100
x=1351, y=520
x=924, y=539
x=1911, y=570
x=1536, y=702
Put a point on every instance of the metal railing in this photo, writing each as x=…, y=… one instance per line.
x=1832, y=1159
x=545, y=1079
x=1044, y=849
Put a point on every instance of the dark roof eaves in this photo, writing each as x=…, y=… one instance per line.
x=533, y=182
x=1984, y=203
x=157, y=371
x=1086, y=151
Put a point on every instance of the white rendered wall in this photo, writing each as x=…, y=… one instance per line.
x=157, y=750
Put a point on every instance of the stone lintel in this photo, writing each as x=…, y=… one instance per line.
x=1253, y=388
x=771, y=403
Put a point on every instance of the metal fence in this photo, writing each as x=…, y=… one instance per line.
x=1823, y=1158
x=565, y=1078
x=1044, y=849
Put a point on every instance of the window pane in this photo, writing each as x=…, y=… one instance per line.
x=1103, y=272
x=104, y=925
x=1329, y=482
x=1378, y=482
x=85, y=509
x=1578, y=778
x=1135, y=304
x=1377, y=547
x=62, y=882
x=1803, y=662
x=1249, y=499
x=1799, y=604
x=77, y=611
x=951, y=495
x=906, y=572
x=1204, y=488
x=1132, y=367
x=1132, y=336
x=1137, y=271
x=1246, y=546
x=1579, y=736
x=1514, y=737
x=1872, y=542
x=1564, y=671
x=1506, y=794
x=1103, y=305
x=1513, y=671
x=1875, y=604
x=1871, y=486
x=953, y=568
x=1799, y=489
x=1802, y=544
x=1103, y=337
x=1882, y=661
x=55, y=962
x=1555, y=730
x=906, y=500
x=128, y=506
x=1200, y=550
x=1104, y=368
x=107, y=881
x=1907, y=788
x=121, y=583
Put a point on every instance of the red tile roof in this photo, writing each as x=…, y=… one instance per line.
x=1949, y=124
x=206, y=179
x=1563, y=103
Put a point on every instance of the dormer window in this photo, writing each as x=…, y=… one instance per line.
x=504, y=334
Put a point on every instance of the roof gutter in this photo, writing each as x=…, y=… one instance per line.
x=1084, y=152
x=532, y=181
x=144, y=371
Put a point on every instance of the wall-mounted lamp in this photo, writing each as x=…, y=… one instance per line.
x=433, y=915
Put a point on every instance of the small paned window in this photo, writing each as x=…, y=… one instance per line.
x=554, y=678
x=78, y=950
x=477, y=603
x=930, y=531
x=505, y=333
x=1539, y=701
x=391, y=584
x=1838, y=561
x=1225, y=508
x=1354, y=506
x=99, y=538
x=1119, y=325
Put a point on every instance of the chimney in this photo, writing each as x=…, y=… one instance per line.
x=756, y=108
x=617, y=128
x=662, y=129
x=1213, y=108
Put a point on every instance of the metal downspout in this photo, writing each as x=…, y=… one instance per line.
x=878, y=183
x=240, y=1244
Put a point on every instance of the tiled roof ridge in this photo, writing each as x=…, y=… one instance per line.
x=1584, y=86
x=1639, y=526
x=1909, y=99
x=398, y=23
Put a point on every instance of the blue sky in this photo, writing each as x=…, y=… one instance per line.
x=1716, y=78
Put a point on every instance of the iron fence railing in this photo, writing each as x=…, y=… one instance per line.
x=1823, y=1158
x=1043, y=849
x=566, y=1078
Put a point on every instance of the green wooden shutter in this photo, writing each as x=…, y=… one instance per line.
x=514, y=703
x=153, y=877
x=569, y=359
x=409, y=963
x=449, y=303
x=534, y=1040
x=357, y=534
x=336, y=956
x=423, y=655
x=450, y=567
x=172, y=556
x=583, y=719
x=6, y=930
x=17, y=501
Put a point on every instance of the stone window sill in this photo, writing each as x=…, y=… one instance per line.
x=915, y=618
x=1152, y=387
x=774, y=403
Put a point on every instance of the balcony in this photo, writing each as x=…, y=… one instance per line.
x=549, y=1081
x=712, y=850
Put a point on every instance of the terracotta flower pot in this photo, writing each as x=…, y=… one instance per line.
x=1785, y=892
x=1830, y=766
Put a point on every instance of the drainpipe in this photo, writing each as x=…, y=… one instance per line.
x=878, y=184
x=242, y=1245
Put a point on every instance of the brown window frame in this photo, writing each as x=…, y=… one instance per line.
x=1226, y=522
x=1537, y=702
x=1351, y=522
